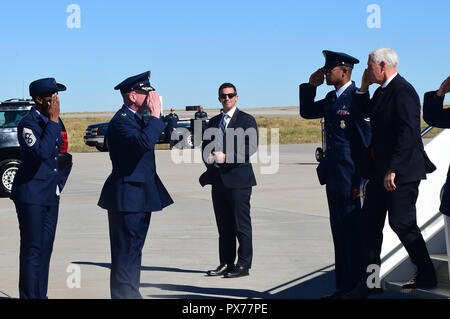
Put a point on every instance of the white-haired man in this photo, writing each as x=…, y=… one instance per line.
x=398, y=163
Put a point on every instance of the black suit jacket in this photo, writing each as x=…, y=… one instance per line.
x=435, y=115
x=433, y=112
x=396, y=142
x=237, y=172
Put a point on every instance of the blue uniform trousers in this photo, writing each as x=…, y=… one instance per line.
x=127, y=232
x=347, y=238
x=37, y=225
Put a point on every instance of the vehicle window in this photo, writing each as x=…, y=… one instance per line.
x=10, y=119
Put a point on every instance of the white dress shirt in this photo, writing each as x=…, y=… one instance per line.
x=343, y=88
x=389, y=80
x=230, y=113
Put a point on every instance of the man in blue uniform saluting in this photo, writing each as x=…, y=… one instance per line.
x=37, y=186
x=133, y=190
x=347, y=135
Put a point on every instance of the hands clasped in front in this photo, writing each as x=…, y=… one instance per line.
x=217, y=158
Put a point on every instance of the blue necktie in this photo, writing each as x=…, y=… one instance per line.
x=223, y=124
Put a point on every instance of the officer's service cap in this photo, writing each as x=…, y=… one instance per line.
x=137, y=82
x=45, y=86
x=333, y=59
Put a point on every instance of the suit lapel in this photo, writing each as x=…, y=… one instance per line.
x=378, y=101
x=131, y=115
x=346, y=92
x=233, y=119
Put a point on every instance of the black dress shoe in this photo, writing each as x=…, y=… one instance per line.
x=220, y=270
x=420, y=281
x=361, y=291
x=238, y=271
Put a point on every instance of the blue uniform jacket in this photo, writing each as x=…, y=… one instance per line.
x=172, y=121
x=239, y=173
x=38, y=176
x=348, y=134
x=133, y=185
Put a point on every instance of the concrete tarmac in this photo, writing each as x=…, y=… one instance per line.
x=293, y=250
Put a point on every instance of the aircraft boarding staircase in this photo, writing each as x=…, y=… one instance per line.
x=396, y=267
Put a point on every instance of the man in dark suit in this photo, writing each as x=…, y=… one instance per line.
x=347, y=136
x=229, y=171
x=435, y=115
x=133, y=190
x=37, y=186
x=399, y=163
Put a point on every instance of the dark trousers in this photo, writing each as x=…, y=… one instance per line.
x=346, y=229
x=127, y=233
x=401, y=207
x=169, y=131
x=37, y=225
x=445, y=203
x=232, y=211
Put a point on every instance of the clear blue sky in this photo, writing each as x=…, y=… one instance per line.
x=266, y=48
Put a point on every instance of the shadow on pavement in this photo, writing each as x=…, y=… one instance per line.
x=322, y=283
x=205, y=292
x=143, y=268
x=4, y=296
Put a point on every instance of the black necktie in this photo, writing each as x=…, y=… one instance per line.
x=378, y=92
x=139, y=120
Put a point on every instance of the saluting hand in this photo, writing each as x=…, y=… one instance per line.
x=445, y=87
x=154, y=104
x=366, y=81
x=54, y=108
x=317, y=78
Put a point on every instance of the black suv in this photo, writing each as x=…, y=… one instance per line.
x=11, y=112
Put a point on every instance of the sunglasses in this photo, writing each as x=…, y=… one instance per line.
x=230, y=96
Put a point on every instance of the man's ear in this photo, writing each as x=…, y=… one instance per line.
x=132, y=96
x=38, y=100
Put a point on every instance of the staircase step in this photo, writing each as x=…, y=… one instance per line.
x=440, y=263
x=439, y=257
x=442, y=291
